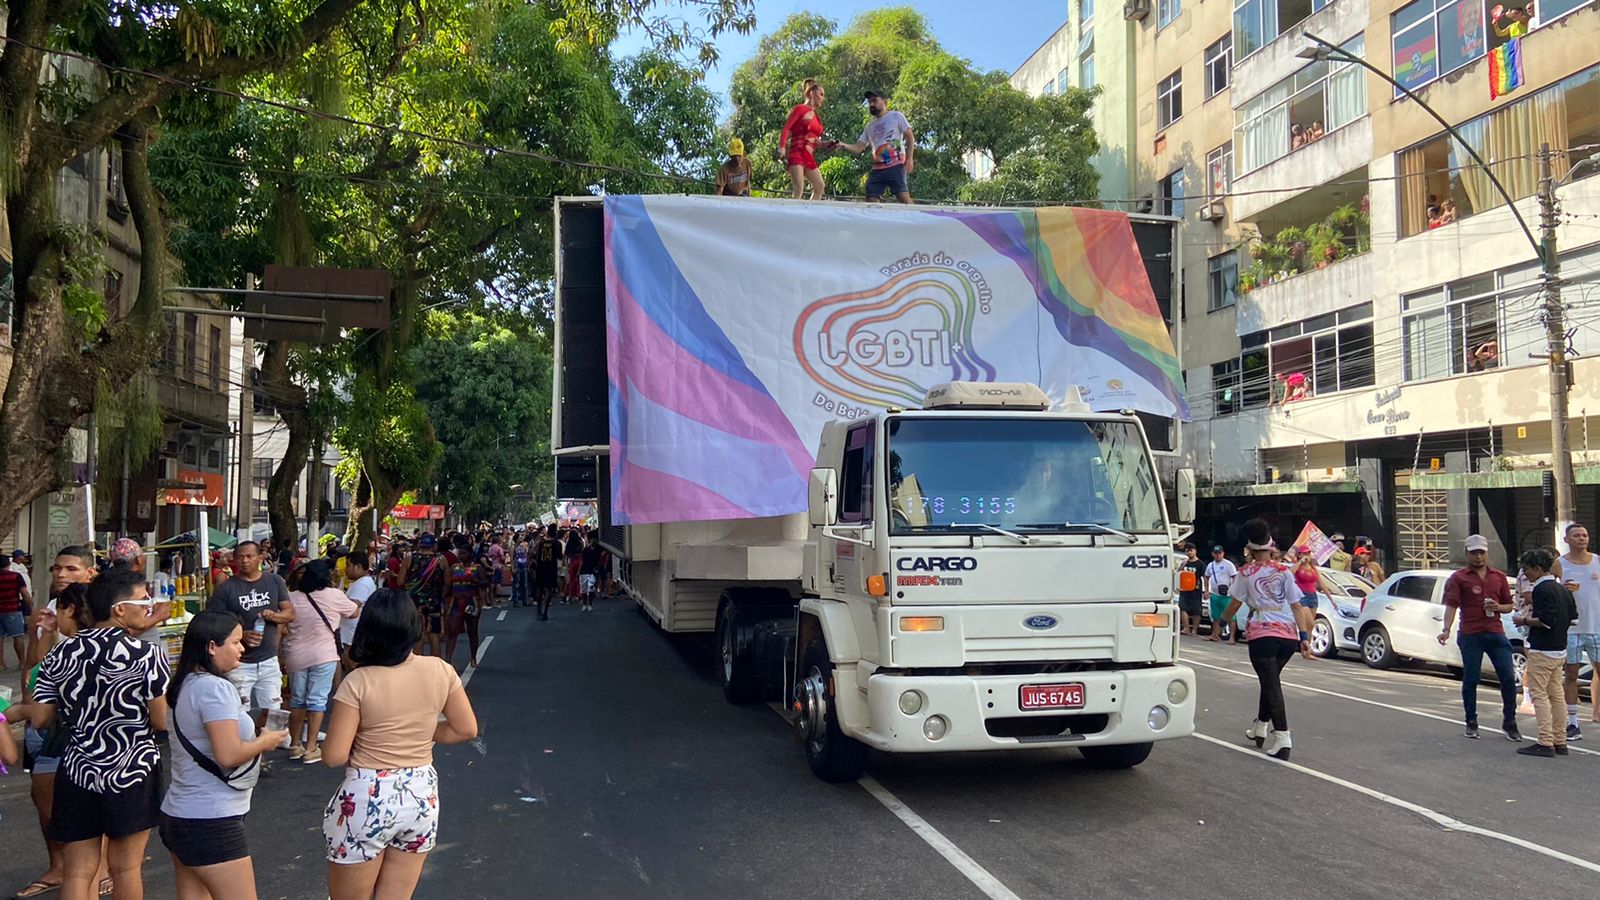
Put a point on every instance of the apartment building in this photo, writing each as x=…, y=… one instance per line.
x=1361, y=315
x=1092, y=48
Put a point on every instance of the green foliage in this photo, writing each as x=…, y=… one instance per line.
x=84, y=266
x=1347, y=231
x=128, y=424
x=1041, y=145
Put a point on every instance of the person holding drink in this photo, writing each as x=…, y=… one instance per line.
x=261, y=601
x=1479, y=593
x=1579, y=573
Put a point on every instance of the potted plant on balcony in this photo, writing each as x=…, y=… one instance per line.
x=1323, y=244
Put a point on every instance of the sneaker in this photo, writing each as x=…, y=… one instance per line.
x=314, y=756
x=1512, y=733
x=1561, y=749
x=1536, y=750
x=296, y=751
x=1471, y=731
x=1573, y=734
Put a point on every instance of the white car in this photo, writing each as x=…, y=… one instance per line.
x=1339, y=603
x=1403, y=616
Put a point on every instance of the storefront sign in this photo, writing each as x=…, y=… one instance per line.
x=210, y=494
x=417, y=511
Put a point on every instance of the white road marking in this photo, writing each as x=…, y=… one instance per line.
x=501, y=617
x=1438, y=818
x=954, y=855
x=472, y=667
x=1403, y=709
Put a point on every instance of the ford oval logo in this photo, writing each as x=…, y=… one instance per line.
x=1041, y=623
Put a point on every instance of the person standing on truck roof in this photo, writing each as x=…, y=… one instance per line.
x=1278, y=625
x=1220, y=573
x=801, y=138
x=733, y=176
x=893, y=147
x=1191, y=580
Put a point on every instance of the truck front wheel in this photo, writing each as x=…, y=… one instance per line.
x=833, y=755
x=1120, y=756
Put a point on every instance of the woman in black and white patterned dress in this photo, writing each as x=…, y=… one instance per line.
x=111, y=687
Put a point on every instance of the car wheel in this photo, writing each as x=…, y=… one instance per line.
x=1519, y=664
x=1121, y=756
x=1376, y=651
x=1322, y=639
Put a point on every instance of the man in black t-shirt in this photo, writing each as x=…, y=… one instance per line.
x=1189, y=600
x=261, y=601
x=546, y=566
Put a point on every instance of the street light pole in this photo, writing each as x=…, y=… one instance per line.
x=1550, y=269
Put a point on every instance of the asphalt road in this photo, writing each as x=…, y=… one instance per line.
x=610, y=767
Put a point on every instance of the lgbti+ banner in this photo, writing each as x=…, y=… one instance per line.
x=735, y=329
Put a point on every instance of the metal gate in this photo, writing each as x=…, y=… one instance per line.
x=1421, y=525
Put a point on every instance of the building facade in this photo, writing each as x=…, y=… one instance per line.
x=1362, y=314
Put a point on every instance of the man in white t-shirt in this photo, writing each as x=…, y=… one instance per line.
x=889, y=139
x=1580, y=572
x=1220, y=573
x=362, y=586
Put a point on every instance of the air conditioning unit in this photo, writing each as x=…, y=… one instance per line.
x=1147, y=203
x=1212, y=212
x=1135, y=9
x=169, y=469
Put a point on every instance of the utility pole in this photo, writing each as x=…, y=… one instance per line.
x=245, y=520
x=1556, y=336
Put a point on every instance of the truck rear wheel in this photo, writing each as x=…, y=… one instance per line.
x=832, y=754
x=740, y=682
x=1120, y=756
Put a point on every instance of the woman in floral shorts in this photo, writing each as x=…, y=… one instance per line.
x=384, y=818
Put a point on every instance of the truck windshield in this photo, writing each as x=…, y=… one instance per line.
x=1023, y=474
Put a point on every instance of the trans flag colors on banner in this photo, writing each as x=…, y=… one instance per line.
x=736, y=328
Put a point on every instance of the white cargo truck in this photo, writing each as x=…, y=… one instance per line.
x=986, y=570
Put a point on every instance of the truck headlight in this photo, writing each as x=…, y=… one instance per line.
x=935, y=727
x=911, y=702
x=1158, y=718
x=1177, y=692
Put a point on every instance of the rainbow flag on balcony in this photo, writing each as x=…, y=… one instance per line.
x=1505, y=68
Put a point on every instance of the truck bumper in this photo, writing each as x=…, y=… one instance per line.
x=985, y=713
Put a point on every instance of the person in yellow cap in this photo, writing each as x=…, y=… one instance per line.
x=733, y=177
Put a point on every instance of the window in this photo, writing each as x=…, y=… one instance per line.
x=260, y=478
x=216, y=361
x=1433, y=38
x=1219, y=60
x=1320, y=98
x=1323, y=355
x=1219, y=171
x=1256, y=23
x=1086, y=60
x=1169, y=99
x=191, y=345
x=1439, y=183
x=1414, y=587
x=1167, y=11
x=1225, y=385
x=1062, y=82
x=1172, y=194
x=1049, y=89
x=7, y=295
x=855, y=489
x=1224, y=281
x=113, y=293
x=1085, y=11
x=116, y=190
x=1551, y=10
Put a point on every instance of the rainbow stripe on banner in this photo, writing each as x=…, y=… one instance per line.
x=1505, y=68
x=735, y=329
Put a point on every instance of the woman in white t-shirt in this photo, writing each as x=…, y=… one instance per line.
x=1277, y=629
x=215, y=759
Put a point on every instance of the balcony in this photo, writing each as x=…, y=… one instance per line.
x=1338, y=156
x=1274, y=59
x=1319, y=291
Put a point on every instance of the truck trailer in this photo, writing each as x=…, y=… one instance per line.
x=830, y=463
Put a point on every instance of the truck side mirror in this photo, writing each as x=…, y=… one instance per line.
x=1184, y=488
x=824, y=491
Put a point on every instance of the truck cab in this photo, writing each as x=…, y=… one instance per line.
x=988, y=572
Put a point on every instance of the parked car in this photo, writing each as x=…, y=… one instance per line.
x=1339, y=604
x=1403, y=616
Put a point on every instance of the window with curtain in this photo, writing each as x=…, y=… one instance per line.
x=1329, y=95
x=1224, y=281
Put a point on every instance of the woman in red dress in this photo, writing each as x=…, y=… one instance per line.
x=801, y=138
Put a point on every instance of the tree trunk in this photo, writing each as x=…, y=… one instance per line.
x=295, y=247
x=373, y=494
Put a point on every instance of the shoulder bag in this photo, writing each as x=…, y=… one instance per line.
x=242, y=778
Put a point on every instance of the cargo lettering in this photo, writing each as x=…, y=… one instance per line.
x=936, y=564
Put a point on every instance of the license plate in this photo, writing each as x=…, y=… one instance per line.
x=1051, y=696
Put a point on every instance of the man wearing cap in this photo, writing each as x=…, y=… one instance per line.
x=1339, y=560
x=1220, y=573
x=888, y=136
x=733, y=177
x=1480, y=593
x=20, y=561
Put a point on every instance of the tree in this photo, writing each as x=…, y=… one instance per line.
x=954, y=109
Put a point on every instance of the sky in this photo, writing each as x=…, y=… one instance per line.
x=994, y=34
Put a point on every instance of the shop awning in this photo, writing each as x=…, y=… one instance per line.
x=1514, y=478
x=217, y=540
x=1281, y=489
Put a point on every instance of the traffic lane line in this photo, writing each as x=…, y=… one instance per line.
x=980, y=877
x=1449, y=823
x=1378, y=703
x=472, y=667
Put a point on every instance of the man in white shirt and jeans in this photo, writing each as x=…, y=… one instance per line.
x=888, y=137
x=1580, y=573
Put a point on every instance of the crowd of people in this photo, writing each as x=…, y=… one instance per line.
x=887, y=137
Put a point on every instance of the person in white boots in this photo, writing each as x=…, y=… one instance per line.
x=1277, y=630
